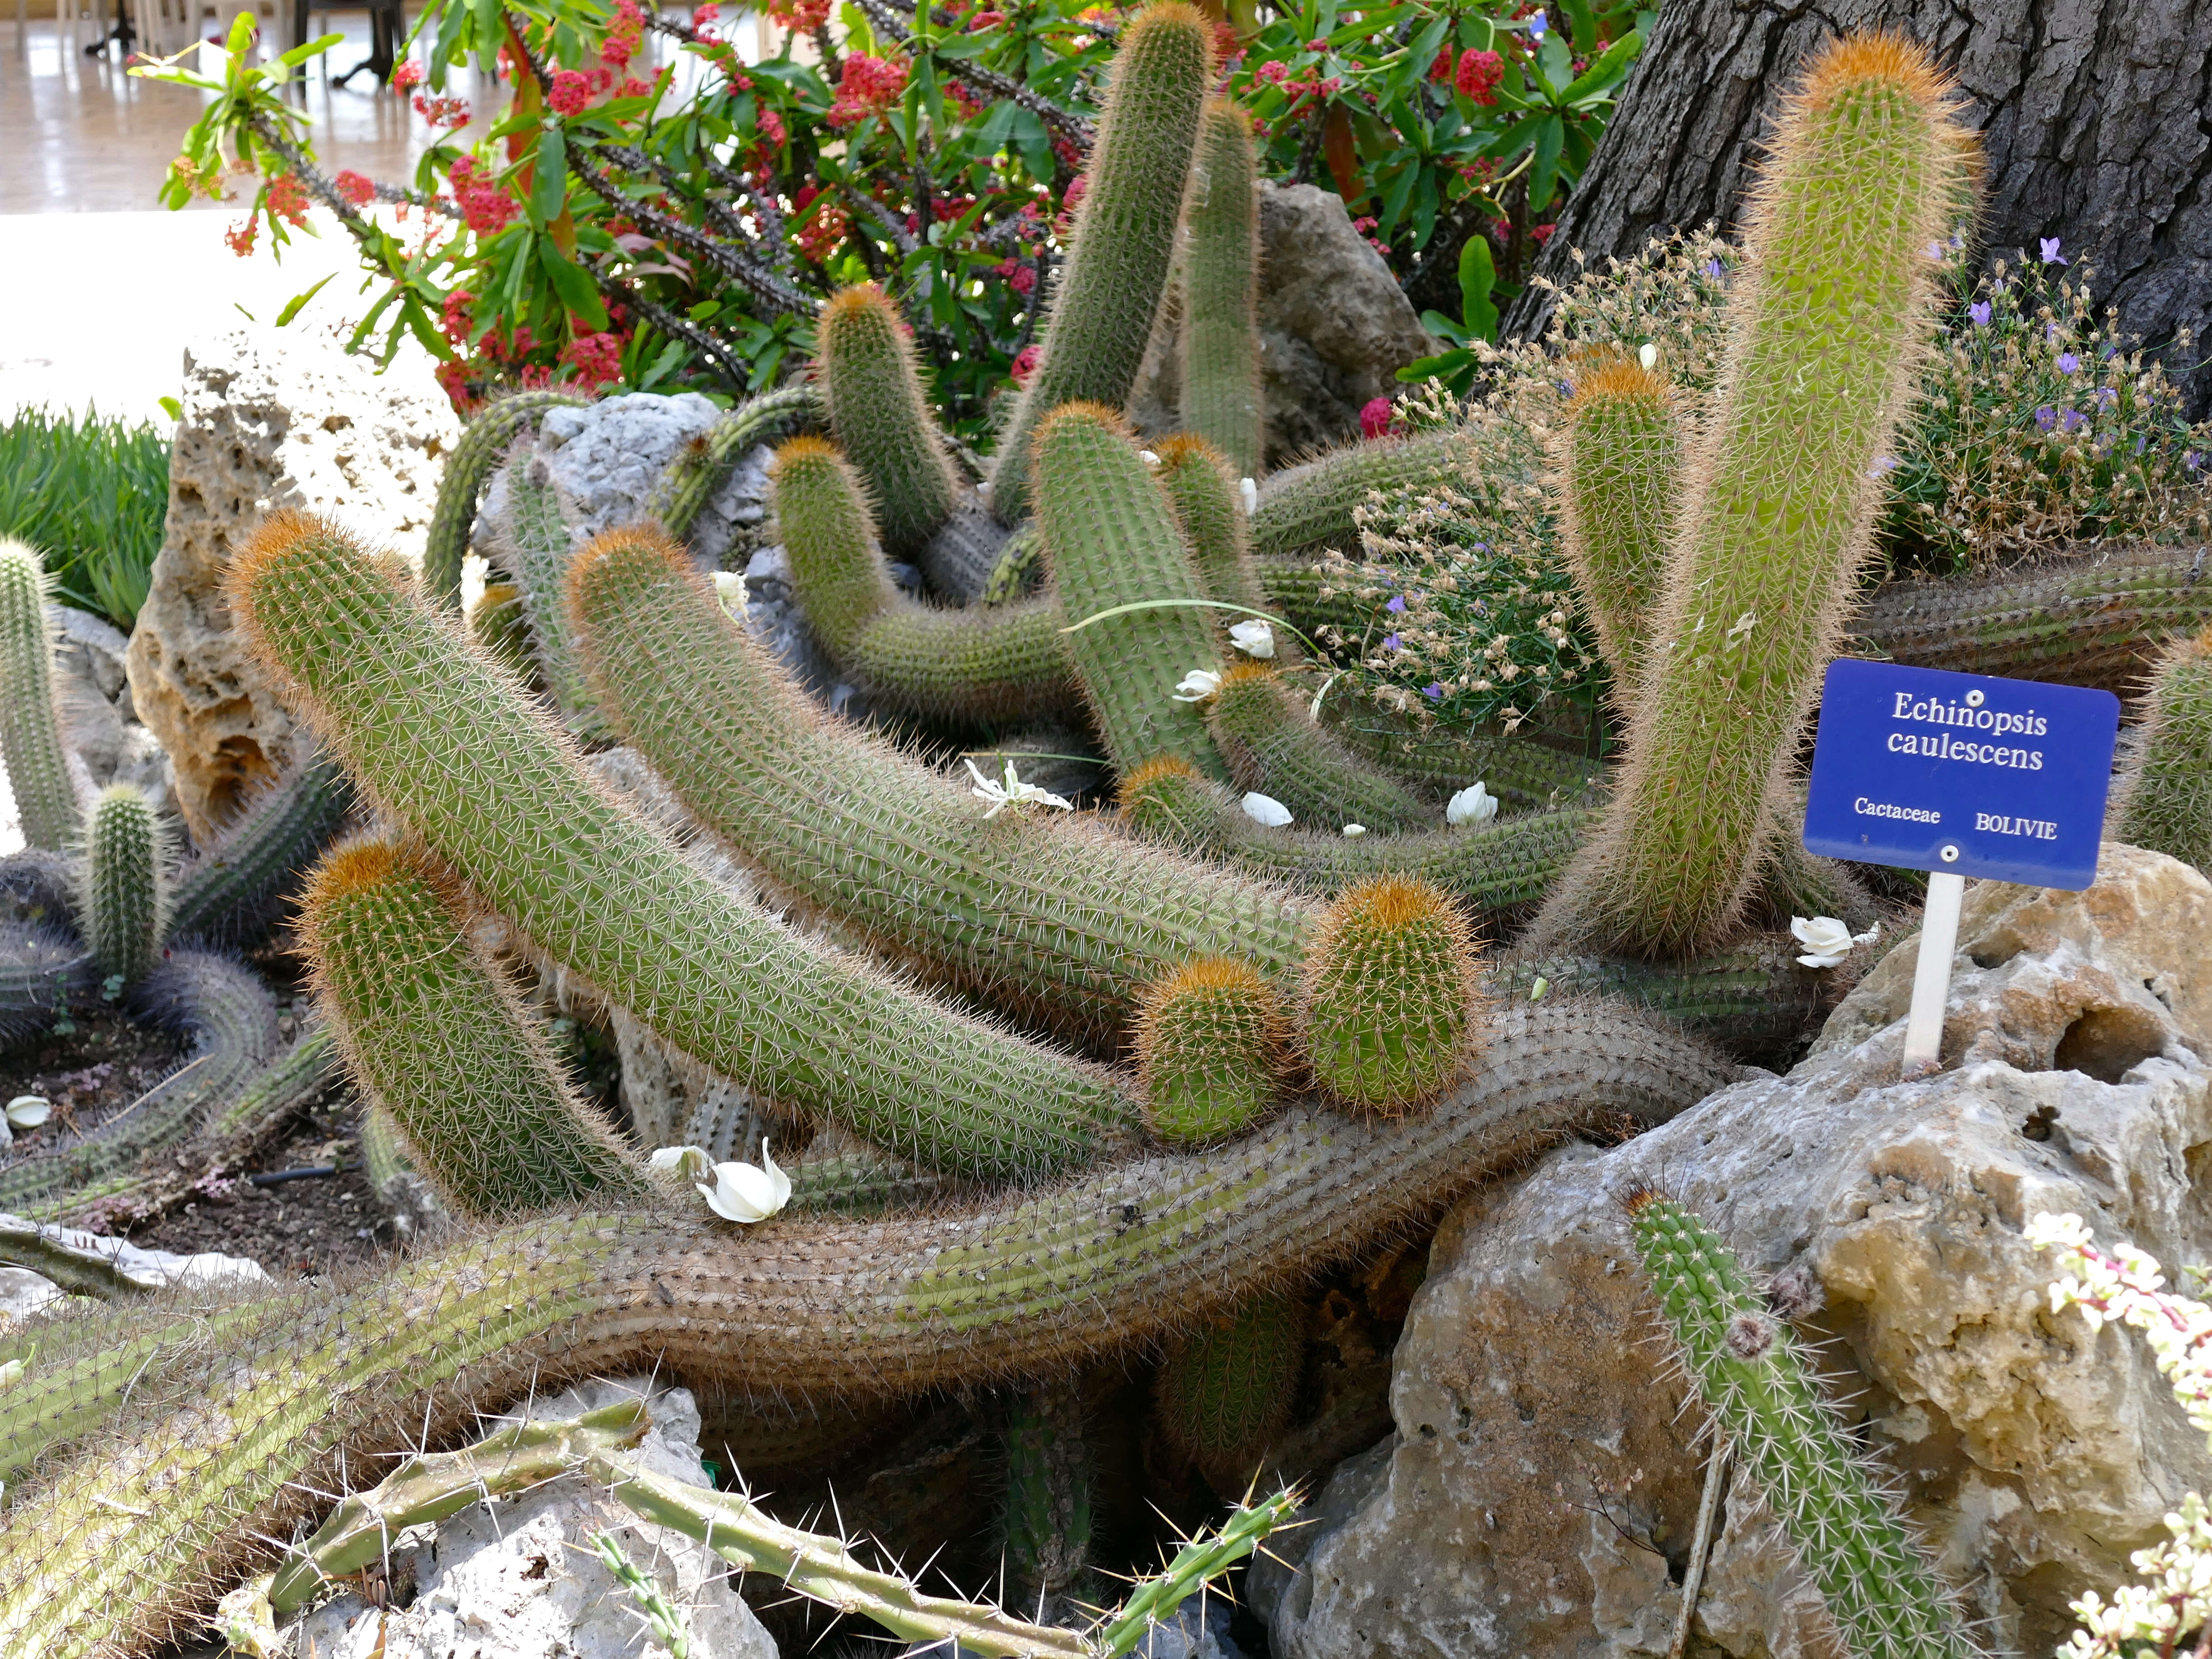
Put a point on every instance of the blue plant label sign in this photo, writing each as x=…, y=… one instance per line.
x=1981, y=776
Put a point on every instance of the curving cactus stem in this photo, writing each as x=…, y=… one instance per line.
x=1224, y=1395
x=1308, y=508
x=1392, y=998
x=30, y=723
x=1220, y=285
x=1751, y=1372
x=1621, y=467
x=124, y=884
x=1272, y=743
x=1211, y=1049
x=881, y=417
x=2166, y=793
x=486, y=439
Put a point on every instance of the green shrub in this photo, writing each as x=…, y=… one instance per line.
x=92, y=494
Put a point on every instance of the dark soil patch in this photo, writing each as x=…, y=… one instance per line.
x=102, y=1063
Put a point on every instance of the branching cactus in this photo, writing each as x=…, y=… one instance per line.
x=1221, y=280
x=434, y=1032
x=706, y=463
x=484, y=443
x=1212, y=1046
x=1125, y=234
x=30, y=721
x=1620, y=470
x=1224, y=1395
x=234, y=892
x=1830, y=317
x=2166, y=793
x=124, y=884
x=1751, y=1372
x=1308, y=508
x=1392, y=998
x=881, y=417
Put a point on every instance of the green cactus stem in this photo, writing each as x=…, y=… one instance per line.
x=1223, y=1397
x=498, y=623
x=880, y=416
x=1307, y=510
x=1112, y=539
x=1273, y=744
x=1832, y=309
x=1392, y=1000
x=536, y=544
x=976, y=665
x=1752, y=998
x=1125, y=235
x=1213, y=1048
x=1220, y=288
x=485, y=442
x=1755, y=1378
x=43, y=970
x=2166, y=790
x=1037, y=910
x=30, y=720
x=239, y=889
x=1620, y=466
x=860, y=1183
x=706, y=464
x=1045, y=1519
x=1206, y=497
x=434, y=1032
x=110, y=1554
x=122, y=888
x=440, y=739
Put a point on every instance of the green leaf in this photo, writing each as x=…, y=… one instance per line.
x=548, y=187
x=292, y=306
x=313, y=48
x=1556, y=60
x=1609, y=71
x=1444, y=327
x=1544, y=176
x=1035, y=144
x=1584, y=21
x=573, y=286
x=171, y=408
x=1478, y=275
x=487, y=34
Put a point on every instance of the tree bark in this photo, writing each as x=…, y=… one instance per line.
x=2096, y=125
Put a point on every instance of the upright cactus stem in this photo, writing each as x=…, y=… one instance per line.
x=2165, y=791
x=435, y=1034
x=30, y=723
x=1620, y=468
x=1224, y=1395
x=880, y=416
x=485, y=442
x=1831, y=314
x=1046, y=1516
x=1752, y=1373
x=235, y=891
x=1392, y=1000
x=124, y=884
x=1125, y=234
x=1206, y=493
x=1220, y=285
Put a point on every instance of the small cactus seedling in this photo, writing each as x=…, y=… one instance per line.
x=1224, y=1395
x=1392, y=1000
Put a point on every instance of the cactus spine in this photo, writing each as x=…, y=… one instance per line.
x=1125, y=234
x=124, y=884
x=1831, y=316
x=442, y=740
x=971, y=666
x=1272, y=744
x=1224, y=1396
x=881, y=417
x=1221, y=282
x=483, y=441
x=2165, y=797
x=234, y=893
x=1212, y=1048
x=1113, y=539
x=435, y=1033
x=1752, y=1374
x=1622, y=464
x=30, y=723
x=1392, y=1001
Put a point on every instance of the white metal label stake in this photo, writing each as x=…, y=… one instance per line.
x=1931, y=973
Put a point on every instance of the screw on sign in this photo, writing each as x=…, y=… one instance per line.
x=1958, y=775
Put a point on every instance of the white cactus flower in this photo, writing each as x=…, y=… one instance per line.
x=730, y=589
x=744, y=1193
x=1252, y=637
x=1472, y=805
x=1197, y=685
x=1250, y=492
x=1827, y=941
x=691, y=1163
x=1265, y=808
x=1148, y=457
x=1012, y=792
x=1648, y=356
x=29, y=1111
x=1355, y=829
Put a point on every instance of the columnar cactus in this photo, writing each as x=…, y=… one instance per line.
x=1212, y=1046
x=1125, y=234
x=1308, y=508
x=2166, y=792
x=870, y=382
x=1207, y=501
x=30, y=723
x=1832, y=311
x=1045, y=1515
x=1220, y=280
x=435, y=1033
x=1225, y=1394
x=536, y=543
x=235, y=891
x=484, y=443
x=1272, y=743
x=1752, y=1374
x=1620, y=469
x=1392, y=1000
x=123, y=887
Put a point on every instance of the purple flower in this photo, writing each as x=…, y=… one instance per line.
x=1713, y=269
x=1390, y=642
x=2072, y=420
x=1979, y=310
x=2190, y=459
x=2106, y=397
x=2051, y=253
x=2068, y=363
x=1397, y=604
x=2046, y=417
x=1934, y=250
x=1433, y=691
x=1537, y=25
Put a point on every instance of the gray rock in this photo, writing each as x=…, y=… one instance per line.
x=1540, y=1497
x=519, y=1578
x=100, y=723
x=610, y=456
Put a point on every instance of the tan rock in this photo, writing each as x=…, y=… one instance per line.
x=308, y=428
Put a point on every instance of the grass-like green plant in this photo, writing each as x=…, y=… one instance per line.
x=93, y=493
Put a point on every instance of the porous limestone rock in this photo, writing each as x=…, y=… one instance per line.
x=1539, y=1496
x=1334, y=329
x=304, y=427
x=519, y=1578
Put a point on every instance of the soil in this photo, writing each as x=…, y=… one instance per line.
x=98, y=1064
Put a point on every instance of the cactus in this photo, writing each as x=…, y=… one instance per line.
x=861, y=1183
x=434, y=1032
x=234, y=892
x=111, y=1552
x=1220, y=286
x=1205, y=497
x=1620, y=466
x=485, y=442
x=1112, y=539
x=1223, y=1397
x=42, y=971
x=971, y=666
x=1045, y=1511
x=1125, y=233
x=881, y=417
x=441, y=739
x=1391, y=997
x=1832, y=309
x=1751, y=999
x=1272, y=744
x=2164, y=795
x=535, y=541
x=1212, y=1048
x=1306, y=509
x=706, y=462
x=500, y=623
x=30, y=723
x=123, y=903
x=1752, y=1374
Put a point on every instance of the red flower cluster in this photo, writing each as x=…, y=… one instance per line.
x=1275, y=71
x=624, y=36
x=1025, y=364
x=1479, y=75
x=570, y=93
x=487, y=209
x=1375, y=419
x=442, y=112
x=409, y=73
x=820, y=233
x=457, y=317
x=1017, y=274
x=288, y=198
x=239, y=239
x=354, y=189
x=770, y=125
x=597, y=359
x=986, y=19
x=799, y=17
x=868, y=86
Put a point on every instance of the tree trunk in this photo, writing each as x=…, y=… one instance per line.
x=2096, y=124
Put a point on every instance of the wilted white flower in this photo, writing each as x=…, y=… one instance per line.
x=1536, y=991
x=984, y=489
x=1148, y=457
x=1648, y=354
x=1355, y=829
x=1472, y=805
x=730, y=589
x=1250, y=492
x=29, y=1111
x=12, y=1371
x=1252, y=637
x=1012, y=792
x=1827, y=941
x=1265, y=808
x=746, y=1194
x=1197, y=685
x=691, y=1163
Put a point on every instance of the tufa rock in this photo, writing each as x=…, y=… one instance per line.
x=1539, y=1497
x=307, y=427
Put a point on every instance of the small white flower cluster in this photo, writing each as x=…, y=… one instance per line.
x=1472, y=805
x=1012, y=792
x=743, y=1193
x=1828, y=941
x=1252, y=637
x=2123, y=1286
